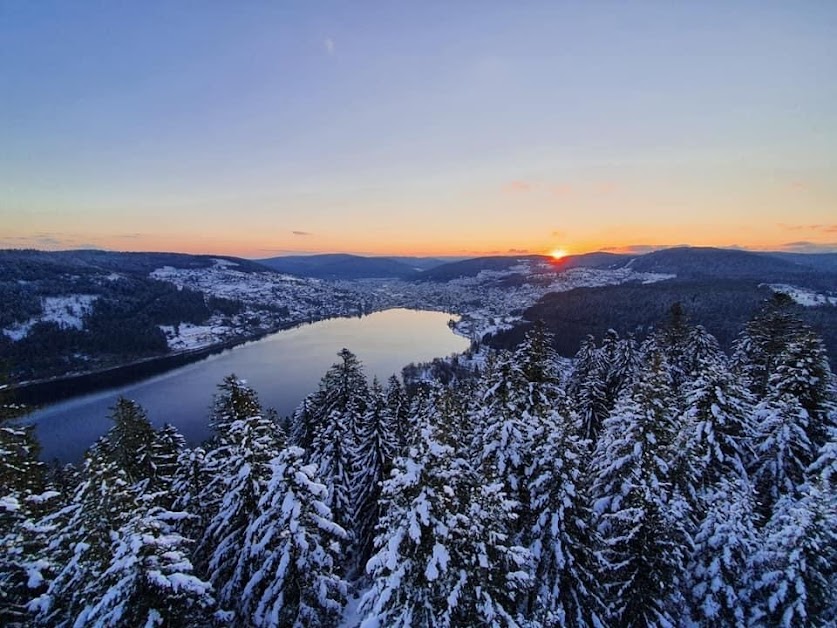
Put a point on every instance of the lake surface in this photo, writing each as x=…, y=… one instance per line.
x=283, y=368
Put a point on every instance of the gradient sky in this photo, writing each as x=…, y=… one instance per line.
x=459, y=128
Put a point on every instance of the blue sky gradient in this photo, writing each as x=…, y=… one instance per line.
x=440, y=128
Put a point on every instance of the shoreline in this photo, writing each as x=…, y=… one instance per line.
x=37, y=393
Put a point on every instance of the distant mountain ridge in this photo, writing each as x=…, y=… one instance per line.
x=347, y=267
x=95, y=260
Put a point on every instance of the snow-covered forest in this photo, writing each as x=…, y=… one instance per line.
x=661, y=484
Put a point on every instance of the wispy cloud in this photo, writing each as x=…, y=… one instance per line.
x=518, y=186
x=302, y=233
x=637, y=249
x=518, y=251
x=805, y=246
x=328, y=44
x=815, y=228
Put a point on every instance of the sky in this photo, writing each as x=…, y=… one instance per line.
x=266, y=128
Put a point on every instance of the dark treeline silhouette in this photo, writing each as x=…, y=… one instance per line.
x=721, y=306
x=661, y=483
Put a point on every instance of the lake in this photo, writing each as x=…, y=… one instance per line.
x=283, y=368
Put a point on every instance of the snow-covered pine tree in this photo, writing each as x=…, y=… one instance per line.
x=795, y=563
x=588, y=385
x=303, y=427
x=782, y=450
x=166, y=448
x=587, y=360
x=720, y=581
x=622, y=370
x=79, y=538
x=241, y=478
x=398, y=408
x=715, y=438
x=130, y=439
x=188, y=485
x=802, y=370
x=560, y=536
x=375, y=448
x=504, y=429
x=761, y=342
x=149, y=580
x=672, y=338
x=233, y=400
x=292, y=551
x=443, y=554
x=207, y=473
x=340, y=404
x=639, y=516
x=22, y=484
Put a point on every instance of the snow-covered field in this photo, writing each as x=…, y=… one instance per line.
x=67, y=312
x=805, y=296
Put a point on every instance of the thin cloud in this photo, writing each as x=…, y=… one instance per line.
x=302, y=233
x=518, y=251
x=816, y=228
x=518, y=186
x=328, y=44
x=805, y=246
x=635, y=249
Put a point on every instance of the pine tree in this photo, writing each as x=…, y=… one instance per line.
x=292, y=551
x=150, y=580
x=376, y=447
x=130, y=439
x=22, y=500
x=639, y=515
x=802, y=371
x=340, y=405
x=241, y=477
x=209, y=472
x=783, y=450
x=505, y=428
x=588, y=386
x=443, y=554
x=233, y=400
x=165, y=451
x=720, y=581
x=761, y=342
x=561, y=537
x=622, y=371
x=795, y=566
x=715, y=440
x=398, y=408
x=189, y=484
x=79, y=538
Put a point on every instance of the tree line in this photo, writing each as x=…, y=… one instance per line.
x=656, y=484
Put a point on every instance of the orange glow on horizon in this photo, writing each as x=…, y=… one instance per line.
x=558, y=253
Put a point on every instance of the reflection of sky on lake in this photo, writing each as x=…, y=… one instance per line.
x=282, y=368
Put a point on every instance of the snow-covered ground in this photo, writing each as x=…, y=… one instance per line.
x=67, y=312
x=805, y=296
x=189, y=336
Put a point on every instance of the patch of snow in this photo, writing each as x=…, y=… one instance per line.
x=351, y=612
x=67, y=312
x=805, y=296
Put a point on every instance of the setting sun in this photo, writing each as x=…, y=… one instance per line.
x=558, y=253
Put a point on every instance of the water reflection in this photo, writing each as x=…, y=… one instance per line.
x=282, y=368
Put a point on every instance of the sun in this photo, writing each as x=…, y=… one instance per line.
x=557, y=253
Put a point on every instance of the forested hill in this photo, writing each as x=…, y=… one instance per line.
x=31, y=264
x=79, y=311
x=812, y=271
x=721, y=306
x=656, y=484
